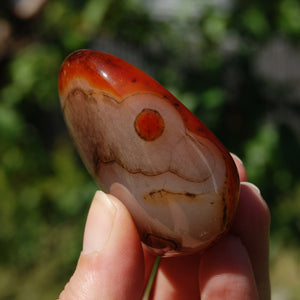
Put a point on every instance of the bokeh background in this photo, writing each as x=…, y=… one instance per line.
x=236, y=64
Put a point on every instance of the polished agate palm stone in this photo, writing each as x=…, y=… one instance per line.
x=142, y=145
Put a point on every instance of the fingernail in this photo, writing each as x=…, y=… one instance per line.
x=252, y=186
x=236, y=157
x=99, y=223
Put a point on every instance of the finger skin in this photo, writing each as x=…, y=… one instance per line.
x=240, y=167
x=252, y=225
x=177, y=278
x=116, y=271
x=225, y=272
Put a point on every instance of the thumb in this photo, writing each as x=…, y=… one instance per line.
x=111, y=264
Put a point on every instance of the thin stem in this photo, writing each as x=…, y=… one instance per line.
x=151, y=279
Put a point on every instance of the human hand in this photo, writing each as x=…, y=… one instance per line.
x=114, y=265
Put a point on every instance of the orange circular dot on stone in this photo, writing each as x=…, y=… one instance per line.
x=149, y=124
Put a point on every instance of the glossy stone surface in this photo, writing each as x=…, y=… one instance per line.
x=142, y=145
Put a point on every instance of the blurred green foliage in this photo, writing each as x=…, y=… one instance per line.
x=206, y=53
